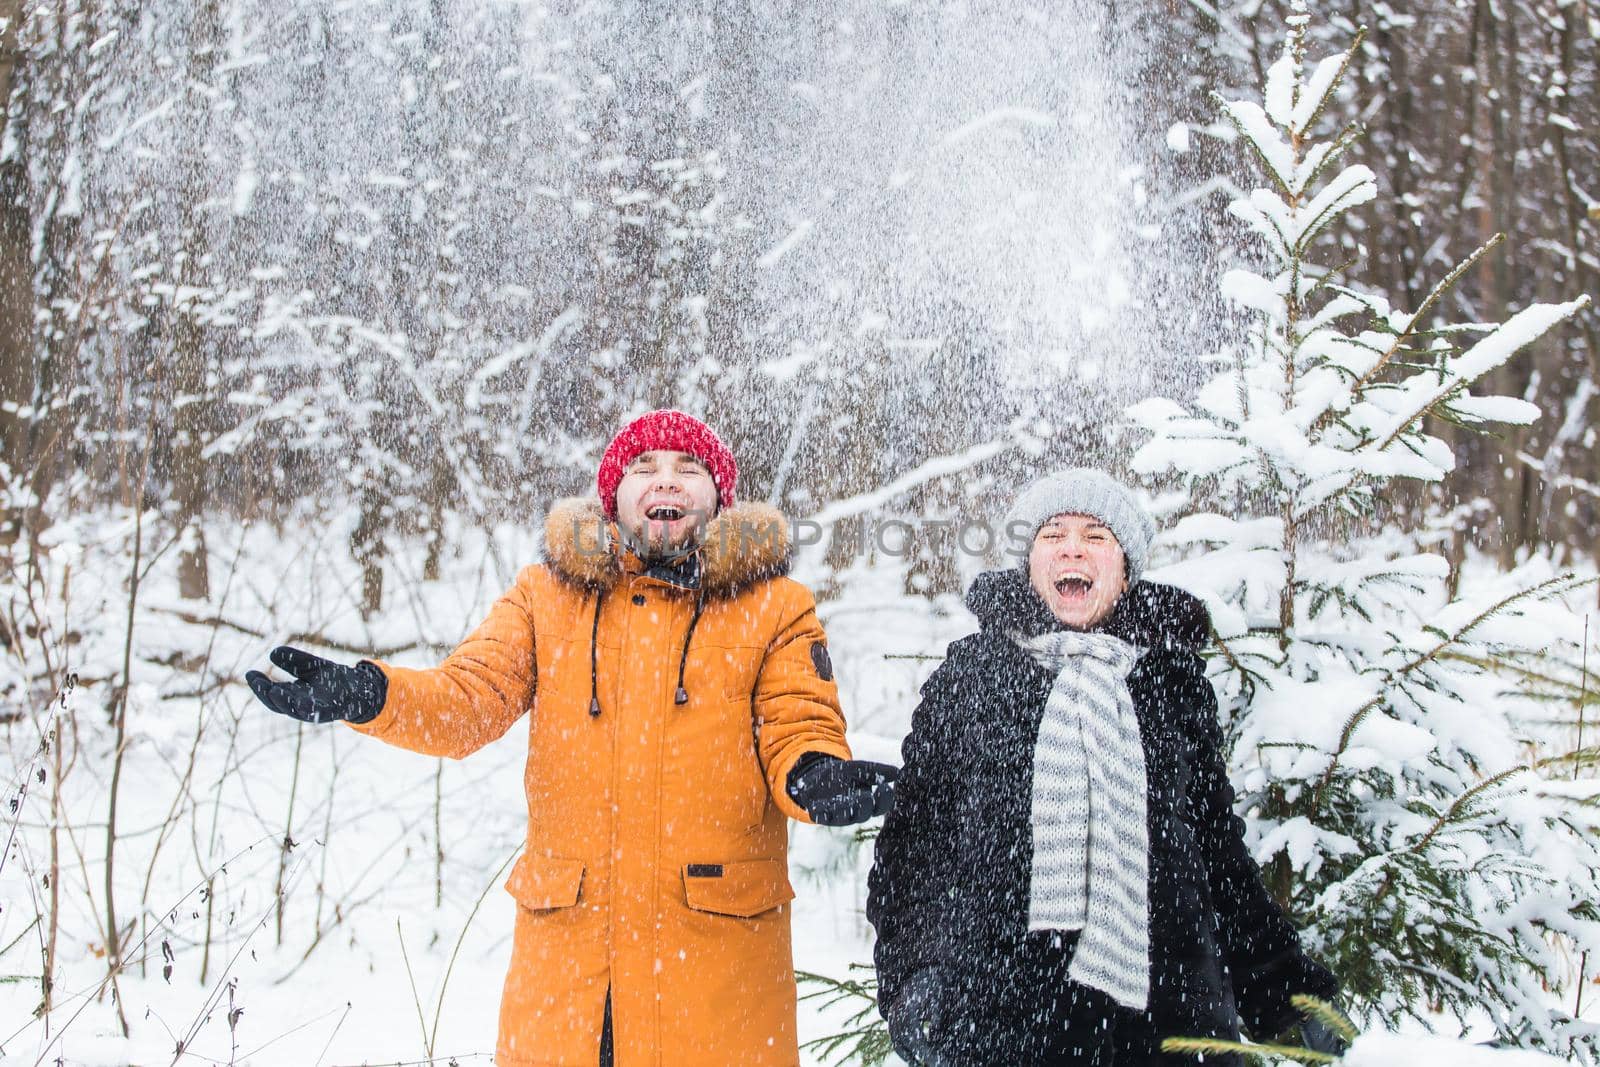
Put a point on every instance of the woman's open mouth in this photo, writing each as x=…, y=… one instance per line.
x=1074, y=586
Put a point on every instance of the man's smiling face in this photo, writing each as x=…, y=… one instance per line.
x=1078, y=569
x=664, y=500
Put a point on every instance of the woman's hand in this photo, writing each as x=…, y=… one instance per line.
x=1320, y=1037
x=915, y=1017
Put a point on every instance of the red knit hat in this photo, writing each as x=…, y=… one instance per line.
x=672, y=430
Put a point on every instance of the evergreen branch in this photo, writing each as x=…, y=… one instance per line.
x=1444, y=395
x=1329, y=281
x=1445, y=818
x=1250, y=678
x=1347, y=137
x=867, y=1045
x=1473, y=423
x=1375, y=321
x=1261, y=157
x=1227, y=653
x=1450, y=813
x=1448, y=282
x=1202, y=1045
x=1567, y=690
x=1283, y=239
x=1444, y=977
x=1578, y=758
x=1345, y=736
x=1564, y=581
x=863, y=1040
x=1309, y=232
x=1338, y=78
x=1294, y=49
x=1434, y=296
x=1327, y=1014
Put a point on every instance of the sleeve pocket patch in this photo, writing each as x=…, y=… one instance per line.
x=821, y=660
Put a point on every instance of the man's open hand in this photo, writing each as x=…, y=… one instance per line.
x=323, y=691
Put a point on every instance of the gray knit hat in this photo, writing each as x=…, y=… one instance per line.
x=1082, y=491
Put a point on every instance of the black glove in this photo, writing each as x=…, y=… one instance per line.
x=1318, y=1036
x=837, y=792
x=325, y=691
x=914, y=1017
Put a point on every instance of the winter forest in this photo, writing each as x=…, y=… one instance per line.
x=311, y=310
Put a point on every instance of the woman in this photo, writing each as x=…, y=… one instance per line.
x=1063, y=879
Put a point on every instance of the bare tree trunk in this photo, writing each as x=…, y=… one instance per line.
x=367, y=548
x=189, y=488
x=933, y=563
x=190, y=402
x=439, y=491
x=16, y=274
x=1584, y=276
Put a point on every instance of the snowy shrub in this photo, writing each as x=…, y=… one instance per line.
x=1400, y=809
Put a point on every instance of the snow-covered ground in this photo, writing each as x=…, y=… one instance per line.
x=393, y=935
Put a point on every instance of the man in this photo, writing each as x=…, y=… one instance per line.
x=683, y=707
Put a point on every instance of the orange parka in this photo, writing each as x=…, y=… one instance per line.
x=668, y=705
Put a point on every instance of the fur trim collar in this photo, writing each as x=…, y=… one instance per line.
x=743, y=545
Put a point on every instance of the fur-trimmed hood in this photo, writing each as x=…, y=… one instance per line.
x=743, y=545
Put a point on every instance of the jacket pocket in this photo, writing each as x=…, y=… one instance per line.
x=540, y=883
x=745, y=888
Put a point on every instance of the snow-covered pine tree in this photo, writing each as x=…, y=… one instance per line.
x=1399, y=809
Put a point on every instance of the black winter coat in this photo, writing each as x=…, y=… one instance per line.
x=949, y=888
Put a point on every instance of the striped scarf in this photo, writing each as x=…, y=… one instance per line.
x=1090, y=837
